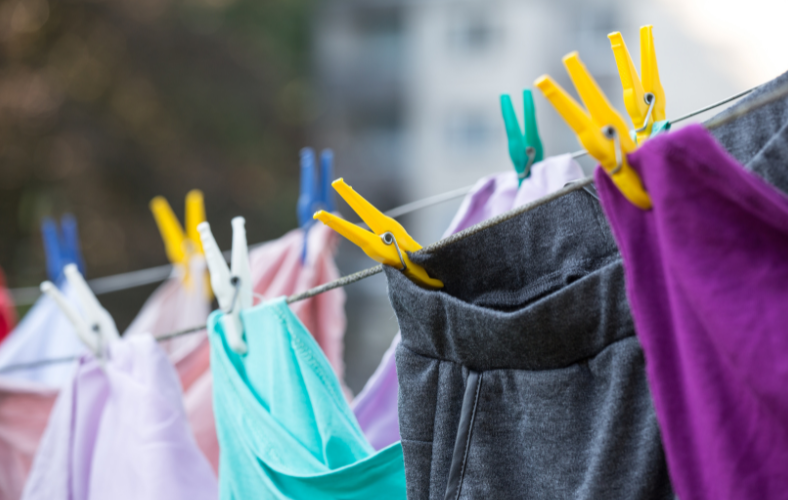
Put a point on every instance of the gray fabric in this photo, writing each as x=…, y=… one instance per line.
x=535, y=307
x=759, y=139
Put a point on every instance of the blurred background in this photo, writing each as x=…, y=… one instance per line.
x=107, y=103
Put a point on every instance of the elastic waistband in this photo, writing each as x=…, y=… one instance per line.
x=540, y=291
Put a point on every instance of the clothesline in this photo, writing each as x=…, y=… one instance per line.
x=775, y=95
x=575, y=186
x=141, y=277
x=132, y=279
x=69, y=359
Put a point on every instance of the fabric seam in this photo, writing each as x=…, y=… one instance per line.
x=470, y=433
x=578, y=361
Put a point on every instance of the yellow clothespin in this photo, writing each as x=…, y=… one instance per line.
x=388, y=244
x=644, y=96
x=179, y=245
x=195, y=215
x=602, y=131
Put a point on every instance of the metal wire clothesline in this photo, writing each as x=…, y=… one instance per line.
x=719, y=120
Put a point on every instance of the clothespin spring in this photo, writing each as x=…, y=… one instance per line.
x=610, y=133
x=388, y=239
x=650, y=99
x=530, y=151
x=235, y=281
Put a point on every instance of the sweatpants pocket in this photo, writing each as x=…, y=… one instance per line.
x=473, y=384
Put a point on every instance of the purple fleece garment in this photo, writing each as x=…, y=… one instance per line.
x=375, y=406
x=707, y=280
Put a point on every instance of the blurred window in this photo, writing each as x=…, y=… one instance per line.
x=473, y=32
x=469, y=131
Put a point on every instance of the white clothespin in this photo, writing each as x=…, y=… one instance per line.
x=96, y=328
x=233, y=289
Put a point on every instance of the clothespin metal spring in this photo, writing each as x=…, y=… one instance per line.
x=611, y=133
x=650, y=99
x=530, y=152
x=388, y=239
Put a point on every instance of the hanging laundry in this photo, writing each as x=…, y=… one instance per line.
x=375, y=406
x=285, y=428
x=523, y=374
x=276, y=270
x=7, y=309
x=496, y=194
x=706, y=274
x=24, y=412
x=44, y=333
x=175, y=305
x=120, y=431
x=28, y=394
x=183, y=300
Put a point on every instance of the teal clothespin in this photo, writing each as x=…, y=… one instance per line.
x=525, y=149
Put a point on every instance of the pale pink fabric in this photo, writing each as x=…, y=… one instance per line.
x=24, y=411
x=177, y=304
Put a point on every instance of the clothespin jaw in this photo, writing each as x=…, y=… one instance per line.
x=241, y=268
x=388, y=243
x=233, y=290
x=195, y=215
x=639, y=91
x=49, y=234
x=97, y=328
x=308, y=193
x=326, y=174
x=602, y=131
x=171, y=230
x=525, y=146
x=70, y=248
x=315, y=193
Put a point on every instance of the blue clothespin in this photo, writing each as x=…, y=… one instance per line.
x=315, y=190
x=525, y=146
x=71, y=250
x=326, y=178
x=308, y=188
x=51, y=240
x=61, y=246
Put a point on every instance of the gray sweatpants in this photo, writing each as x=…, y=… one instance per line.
x=523, y=378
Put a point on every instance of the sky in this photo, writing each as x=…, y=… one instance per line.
x=752, y=32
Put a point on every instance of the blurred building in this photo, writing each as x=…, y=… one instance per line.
x=410, y=95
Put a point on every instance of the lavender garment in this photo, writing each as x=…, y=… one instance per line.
x=707, y=276
x=375, y=406
x=121, y=433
